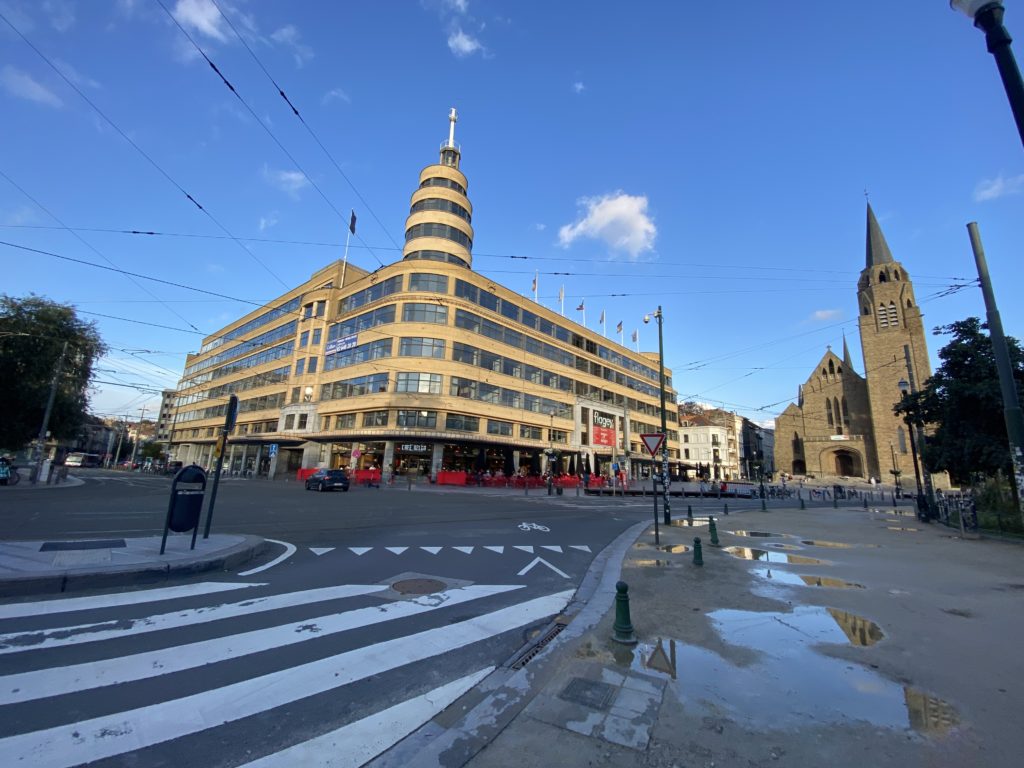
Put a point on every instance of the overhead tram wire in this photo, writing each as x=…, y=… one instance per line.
x=89, y=245
x=310, y=130
x=141, y=151
x=261, y=123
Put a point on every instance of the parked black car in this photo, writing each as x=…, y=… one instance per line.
x=327, y=480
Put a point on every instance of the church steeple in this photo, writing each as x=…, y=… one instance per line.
x=847, y=361
x=877, y=249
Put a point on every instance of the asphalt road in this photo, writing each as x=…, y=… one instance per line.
x=314, y=650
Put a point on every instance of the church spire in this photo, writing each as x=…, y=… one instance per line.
x=877, y=249
x=847, y=361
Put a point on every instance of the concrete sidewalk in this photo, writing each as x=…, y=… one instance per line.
x=849, y=637
x=61, y=565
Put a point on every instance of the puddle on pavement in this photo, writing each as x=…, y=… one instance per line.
x=670, y=548
x=774, y=545
x=648, y=563
x=759, y=534
x=817, y=689
x=801, y=580
x=831, y=544
x=899, y=528
x=685, y=522
x=746, y=553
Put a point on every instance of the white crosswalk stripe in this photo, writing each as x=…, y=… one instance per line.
x=244, y=674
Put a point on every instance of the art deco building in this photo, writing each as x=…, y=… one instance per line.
x=419, y=366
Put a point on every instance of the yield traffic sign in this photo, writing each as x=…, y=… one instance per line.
x=653, y=441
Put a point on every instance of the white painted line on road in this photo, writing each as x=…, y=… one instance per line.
x=467, y=550
x=432, y=550
x=105, y=630
x=396, y=550
x=56, y=681
x=321, y=550
x=580, y=547
x=526, y=548
x=67, y=604
x=357, y=743
x=289, y=550
x=552, y=547
x=360, y=550
x=499, y=550
x=75, y=743
x=542, y=561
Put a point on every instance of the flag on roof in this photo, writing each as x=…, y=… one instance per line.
x=580, y=307
x=352, y=223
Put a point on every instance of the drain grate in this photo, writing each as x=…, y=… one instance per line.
x=589, y=693
x=537, y=647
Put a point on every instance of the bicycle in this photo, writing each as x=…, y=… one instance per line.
x=13, y=478
x=533, y=527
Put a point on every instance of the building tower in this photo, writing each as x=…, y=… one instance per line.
x=893, y=343
x=439, y=224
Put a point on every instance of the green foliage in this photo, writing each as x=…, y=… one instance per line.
x=995, y=505
x=152, y=451
x=963, y=401
x=33, y=331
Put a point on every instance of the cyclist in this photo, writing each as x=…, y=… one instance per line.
x=5, y=470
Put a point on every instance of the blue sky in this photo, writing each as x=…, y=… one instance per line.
x=712, y=161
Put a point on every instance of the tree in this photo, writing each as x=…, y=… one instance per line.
x=963, y=400
x=33, y=331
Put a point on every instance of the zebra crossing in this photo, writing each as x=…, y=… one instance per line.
x=140, y=673
x=498, y=549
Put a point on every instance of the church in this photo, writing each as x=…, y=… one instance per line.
x=843, y=423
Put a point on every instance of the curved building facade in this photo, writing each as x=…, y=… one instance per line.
x=419, y=367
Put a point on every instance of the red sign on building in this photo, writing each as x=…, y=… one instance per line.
x=603, y=431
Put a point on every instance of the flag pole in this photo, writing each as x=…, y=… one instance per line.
x=561, y=299
x=535, y=275
x=348, y=236
x=604, y=325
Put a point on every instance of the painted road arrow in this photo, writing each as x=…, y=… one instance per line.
x=545, y=562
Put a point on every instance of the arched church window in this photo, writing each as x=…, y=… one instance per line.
x=831, y=369
x=846, y=412
x=901, y=438
x=896, y=274
x=883, y=318
x=893, y=317
x=828, y=412
x=839, y=420
x=909, y=304
x=882, y=277
x=867, y=310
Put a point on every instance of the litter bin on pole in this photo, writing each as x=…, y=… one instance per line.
x=186, y=504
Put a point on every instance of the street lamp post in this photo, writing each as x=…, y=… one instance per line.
x=988, y=17
x=895, y=471
x=922, y=502
x=664, y=428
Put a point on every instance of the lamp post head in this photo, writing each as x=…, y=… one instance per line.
x=970, y=8
x=647, y=319
x=904, y=386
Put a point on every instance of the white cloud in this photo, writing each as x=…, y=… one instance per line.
x=289, y=35
x=620, y=220
x=74, y=75
x=827, y=314
x=335, y=94
x=21, y=215
x=24, y=86
x=18, y=17
x=578, y=87
x=201, y=16
x=990, y=189
x=61, y=13
x=459, y=6
x=540, y=227
x=463, y=45
x=289, y=182
x=268, y=221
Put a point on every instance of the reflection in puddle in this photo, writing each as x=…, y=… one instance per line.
x=644, y=563
x=818, y=688
x=685, y=522
x=796, y=579
x=773, y=545
x=771, y=557
x=670, y=548
x=831, y=544
x=760, y=534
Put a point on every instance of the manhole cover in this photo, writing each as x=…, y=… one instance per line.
x=418, y=586
x=589, y=693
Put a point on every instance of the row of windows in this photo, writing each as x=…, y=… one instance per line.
x=439, y=204
x=361, y=385
x=446, y=258
x=282, y=331
x=261, y=403
x=464, y=353
x=260, y=358
x=444, y=231
x=275, y=376
x=438, y=181
x=301, y=366
x=373, y=350
x=256, y=322
x=428, y=281
x=510, y=398
x=304, y=338
x=371, y=294
x=363, y=322
x=415, y=346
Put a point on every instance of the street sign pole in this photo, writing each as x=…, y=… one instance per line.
x=652, y=442
x=222, y=442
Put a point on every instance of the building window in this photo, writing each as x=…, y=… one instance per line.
x=373, y=293
x=558, y=436
x=901, y=438
x=289, y=421
x=321, y=308
x=438, y=181
x=893, y=317
x=296, y=391
x=346, y=421
x=424, y=313
x=439, y=204
x=415, y=346
x=361, y=385
x=432, y=229
x=317, y=333
x=420, y=419
x=828, y=413
x=427, y=281
x=375, y=419
x=307, y=311
x=424, y=383
x=303, y=420
x=499, y=428
x=686, y=438
x=300, y=366
x=883, y=319
x=460, y=423
x=311, y=367
x=529, y=433
x=303, y=339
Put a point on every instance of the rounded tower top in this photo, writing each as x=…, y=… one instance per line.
x=439, y=225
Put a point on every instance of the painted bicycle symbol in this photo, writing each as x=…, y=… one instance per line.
x=533, y=527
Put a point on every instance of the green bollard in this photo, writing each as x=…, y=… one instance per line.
x=726, y=510
x=802, y=504
x=714, y=531
x=623, y=627
x=698, y=555
x=865, y=502
x=689, y=515
x=764, y=506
